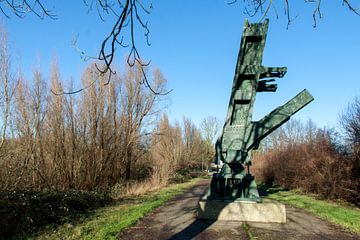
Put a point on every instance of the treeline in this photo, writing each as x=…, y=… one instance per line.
x=109, y=133
x=303, y=156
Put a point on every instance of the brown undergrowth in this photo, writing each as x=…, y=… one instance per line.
x=316, y=164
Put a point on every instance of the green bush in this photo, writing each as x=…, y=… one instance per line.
x=182, y=175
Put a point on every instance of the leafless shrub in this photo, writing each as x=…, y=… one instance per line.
x=350, y=122
x=82, y=141
x=113, y=133
x=313, y=164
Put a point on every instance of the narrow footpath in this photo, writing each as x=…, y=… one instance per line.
x=176, y=220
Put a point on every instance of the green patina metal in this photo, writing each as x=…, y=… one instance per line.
x=240, y=134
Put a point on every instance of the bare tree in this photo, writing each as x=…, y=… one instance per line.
x=292, y=132
x=194, y=150
x=166, y=149
x=210, y=127
x=350, y=121
x=138, y=106
x=5, y=82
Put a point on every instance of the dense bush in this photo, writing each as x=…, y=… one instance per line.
x=26, y=211
x=316, y=164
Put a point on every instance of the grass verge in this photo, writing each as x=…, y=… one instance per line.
x=338, y=213
x=247, y=231
x=107, y=222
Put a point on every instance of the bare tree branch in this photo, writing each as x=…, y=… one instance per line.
x=317, y=11
x=255, y=7
x=21, y=7
x=130, y=19
x=354, y=10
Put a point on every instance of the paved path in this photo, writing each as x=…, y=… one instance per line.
x=176, y=221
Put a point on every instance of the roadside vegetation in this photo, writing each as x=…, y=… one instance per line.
x=26, y=212
x=319, y=167
x=62, y=155
x=107, y=222
x=316, y=160
x=340, y=213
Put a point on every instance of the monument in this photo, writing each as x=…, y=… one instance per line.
x=233, y=193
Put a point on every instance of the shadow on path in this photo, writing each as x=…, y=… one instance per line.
x=177, y=220
x=193, y=230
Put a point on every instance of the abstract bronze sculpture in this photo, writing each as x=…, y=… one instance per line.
x=240, y=134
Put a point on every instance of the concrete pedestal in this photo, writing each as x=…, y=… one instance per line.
x=266, y=211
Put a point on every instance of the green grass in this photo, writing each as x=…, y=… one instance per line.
x=338, y=213
x=107, y=222
x=247, y=231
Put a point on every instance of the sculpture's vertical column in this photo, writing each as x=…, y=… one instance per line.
x=240, y=134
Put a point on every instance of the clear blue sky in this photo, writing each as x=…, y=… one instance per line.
x=195, y=44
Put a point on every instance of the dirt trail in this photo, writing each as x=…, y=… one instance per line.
x=176, y=220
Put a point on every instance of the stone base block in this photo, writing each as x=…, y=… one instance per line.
x=266, y=211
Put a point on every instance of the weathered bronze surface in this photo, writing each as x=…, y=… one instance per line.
x=240, y=134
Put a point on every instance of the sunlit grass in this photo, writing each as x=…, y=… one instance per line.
x=107, y=222
x=338, y=213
